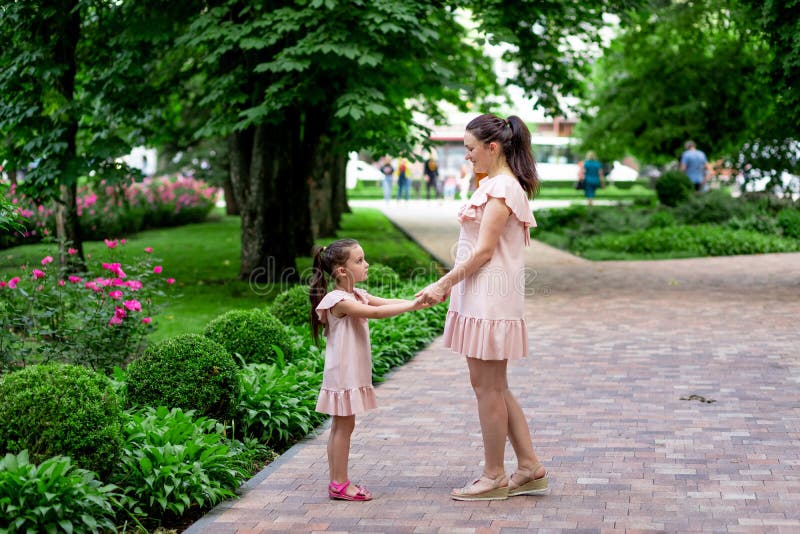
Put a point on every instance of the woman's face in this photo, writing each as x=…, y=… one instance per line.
x=479, y=153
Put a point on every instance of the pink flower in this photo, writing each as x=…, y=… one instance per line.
x=157, y=269
x=170, y=281
x=120, y=312
x=13, y=282
x=62, y=283
x=37, y=274
x=122, y=241
x=133, y=305
x=115, y=320
x=3, y=283
x=47, y=259
x=39, y=288
x=116, y=294
x=134, y=285
x=111, y=243
x=115, y=268
x=147, y=320
x=74, y=279
x=72, y=251
x=149, y=250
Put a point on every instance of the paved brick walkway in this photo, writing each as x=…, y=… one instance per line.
x=616, y=349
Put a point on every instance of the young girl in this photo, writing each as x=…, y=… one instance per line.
x=347, y=379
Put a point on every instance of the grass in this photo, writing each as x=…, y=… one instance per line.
x=205, y=258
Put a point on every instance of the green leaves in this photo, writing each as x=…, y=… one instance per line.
x=53, y=496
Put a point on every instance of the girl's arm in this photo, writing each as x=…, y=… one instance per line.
x=372, y=300
x=495, y=215
x=357, y=309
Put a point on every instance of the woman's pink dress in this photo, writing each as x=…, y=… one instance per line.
x=486, y=317
x=347, y=378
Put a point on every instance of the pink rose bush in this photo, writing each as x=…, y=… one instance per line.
x=105, y=210
x=98, y=319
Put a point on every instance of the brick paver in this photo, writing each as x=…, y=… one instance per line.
x=616, y=349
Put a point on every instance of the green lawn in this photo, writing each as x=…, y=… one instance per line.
x=204, y=259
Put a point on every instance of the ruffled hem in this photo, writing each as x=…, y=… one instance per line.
x=507, y=188
x=486, y=339
x=348, y=402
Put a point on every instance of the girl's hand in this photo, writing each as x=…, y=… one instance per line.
x=433, y=294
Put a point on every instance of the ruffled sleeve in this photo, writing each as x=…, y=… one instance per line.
x=333, y=298
x=505, y=187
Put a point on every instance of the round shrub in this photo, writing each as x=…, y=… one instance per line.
x=714, y=207
x=673, y=187
x=382, y=276
x=252, y=334
x=59, y=409
x=190, y=372
x=292, y=307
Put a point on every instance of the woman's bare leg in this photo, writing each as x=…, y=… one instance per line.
x=488, y=380
x=520, y=436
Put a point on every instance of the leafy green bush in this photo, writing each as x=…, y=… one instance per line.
x=661, y=219
x=249, y=333
x=712, y=207
x=381, y=276
x=556, y=219
x=789, y=221
x=278, y=401
x=189, y=372
x=701, y=240
x=172, y=463
x=406, y=266
x=293, y=307
x=756, y=222
x=673, y=187
x=58, y=409
x=52, y=497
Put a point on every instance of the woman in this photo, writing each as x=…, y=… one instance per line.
x=486, y=318
x=593, y=176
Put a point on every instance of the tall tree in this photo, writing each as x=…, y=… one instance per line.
x=678, y=70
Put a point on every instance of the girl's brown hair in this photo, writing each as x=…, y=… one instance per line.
x=514, y=139
x=326, y=259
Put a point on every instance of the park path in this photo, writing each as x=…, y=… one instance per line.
x=616, y=349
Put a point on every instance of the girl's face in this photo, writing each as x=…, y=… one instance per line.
x=356, y=266
x=481, y=155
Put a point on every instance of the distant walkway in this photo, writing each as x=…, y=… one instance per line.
x=622, y=358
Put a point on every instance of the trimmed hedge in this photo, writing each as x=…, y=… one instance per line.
x=293, y=307
x=190, y=372
x=60, y=409
x=251, y=334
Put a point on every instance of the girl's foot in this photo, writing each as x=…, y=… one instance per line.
x=348, y=492
x=531, y=481
x=483, y=489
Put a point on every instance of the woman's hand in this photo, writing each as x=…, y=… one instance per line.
x=433, y=294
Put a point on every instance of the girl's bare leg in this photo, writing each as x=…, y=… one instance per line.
x=339, y=449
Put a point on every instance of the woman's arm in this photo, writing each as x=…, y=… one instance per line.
x=357, y=309
x=495, y=215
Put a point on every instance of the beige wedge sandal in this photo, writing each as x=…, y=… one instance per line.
x=529, y=485
x=483, y=489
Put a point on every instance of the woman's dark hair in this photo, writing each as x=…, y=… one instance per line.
x=515, y=140
x=326, y=259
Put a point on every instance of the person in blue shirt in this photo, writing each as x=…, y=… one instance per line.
x=593, y=176
x=695, y=164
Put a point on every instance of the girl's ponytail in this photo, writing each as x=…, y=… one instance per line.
x=325, y=259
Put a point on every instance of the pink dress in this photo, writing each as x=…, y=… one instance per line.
x=347, y=378
x=486, y=317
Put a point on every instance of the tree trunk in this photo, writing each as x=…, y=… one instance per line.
x=321, y=191
x=339, y=201
x=231, y=206
x=260, y=165
x=68, y=228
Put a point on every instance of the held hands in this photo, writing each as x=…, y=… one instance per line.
x=433, y=294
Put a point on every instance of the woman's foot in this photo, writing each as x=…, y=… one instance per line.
x=348, y=492
x=483, y=489
x=531, y=481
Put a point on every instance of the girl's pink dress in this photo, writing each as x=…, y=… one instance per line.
x=486, y=317
x=347, y=378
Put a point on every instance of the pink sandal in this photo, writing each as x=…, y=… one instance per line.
x=339, y=491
